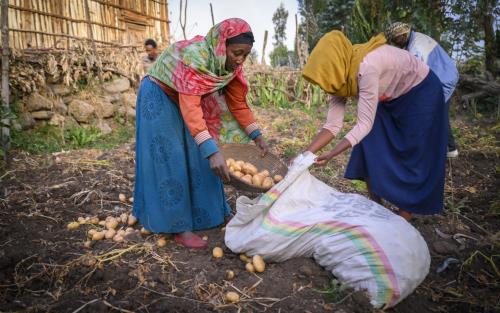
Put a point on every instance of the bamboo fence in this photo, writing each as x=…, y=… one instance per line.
x=57, y=24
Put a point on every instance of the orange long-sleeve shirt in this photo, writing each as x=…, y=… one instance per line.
x=192, y=112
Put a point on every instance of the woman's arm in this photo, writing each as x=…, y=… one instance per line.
x=333, y=125
x=368, y=83
x=340, y=147
x=192, y=114
x=322, y=139
x=366, y=111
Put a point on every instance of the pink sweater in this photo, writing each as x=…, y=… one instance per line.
x=384, y=74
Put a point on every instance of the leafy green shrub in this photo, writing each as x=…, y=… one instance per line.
x=80, y=137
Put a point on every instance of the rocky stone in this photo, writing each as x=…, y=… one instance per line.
x=60, y=90
x=129, y=99
x=70, y=121
x=19, y=106
x=26, y=120
x=131, y=114
x=113, y=97
x=121, y=110
x=117, y=85
x=81, y=111
x=42, y=115
x=444, y=247
x=104, y=127
x=68, y=99
x=60, y=107
x=37, y=102
x=104, y=108
x=121, y=120
x=52, y=79
x=16, y=126
x=57, y=120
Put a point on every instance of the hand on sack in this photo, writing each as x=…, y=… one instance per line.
x=303, y=153
x=290, y=162
x=262, y=144
x=324, y=158
x=218, y=165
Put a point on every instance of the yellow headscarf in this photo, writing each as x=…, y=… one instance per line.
x=334, y=63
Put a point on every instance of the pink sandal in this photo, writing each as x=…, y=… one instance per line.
x=193, y=242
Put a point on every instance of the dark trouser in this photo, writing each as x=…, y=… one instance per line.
x=451, y=140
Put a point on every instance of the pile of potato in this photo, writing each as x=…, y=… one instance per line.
x=249, y=173
x=109, y=228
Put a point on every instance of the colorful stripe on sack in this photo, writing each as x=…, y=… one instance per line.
x=387, y=286
x=269, y=197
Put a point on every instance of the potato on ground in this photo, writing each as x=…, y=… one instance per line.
x=232, y=297
x=258, y=263
x=217, y=252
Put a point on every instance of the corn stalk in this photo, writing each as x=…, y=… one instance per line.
x=32, y=70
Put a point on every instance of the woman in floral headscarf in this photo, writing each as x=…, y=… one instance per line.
x=194, y=96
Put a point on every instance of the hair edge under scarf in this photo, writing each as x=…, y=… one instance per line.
x=245, y=38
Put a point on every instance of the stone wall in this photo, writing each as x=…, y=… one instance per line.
x=59, y=105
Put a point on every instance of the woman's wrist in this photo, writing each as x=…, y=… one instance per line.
x=255, y=134
x=320, y=141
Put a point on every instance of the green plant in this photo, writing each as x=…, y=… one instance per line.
x=271, y=90
x=299, y=86
x=48, y=139
x=120, y=135
x=489, y=259
x=6, y=118
x=44, y=139
x=359, y=185
x=455, y=207
x=80, y=137
x=334, y=292
x=318, y=96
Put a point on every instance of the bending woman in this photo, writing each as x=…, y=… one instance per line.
x=399, y=140
x=194, y=95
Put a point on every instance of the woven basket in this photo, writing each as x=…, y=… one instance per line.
x=252, y=154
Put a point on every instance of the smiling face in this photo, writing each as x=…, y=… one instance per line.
x=151, y=51
x=236, y=54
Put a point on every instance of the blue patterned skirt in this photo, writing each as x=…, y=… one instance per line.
x=175, y=189
x=404, y=155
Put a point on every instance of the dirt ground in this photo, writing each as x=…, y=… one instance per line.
x=44, y=267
